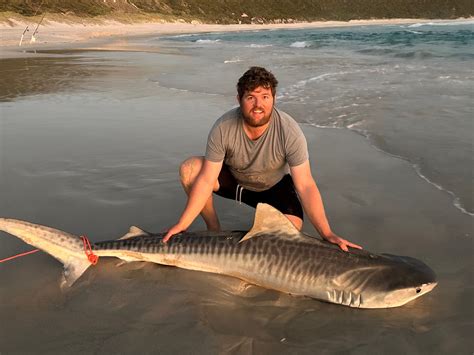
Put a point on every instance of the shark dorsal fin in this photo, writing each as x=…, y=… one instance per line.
x=135, y=232
x=269, y=219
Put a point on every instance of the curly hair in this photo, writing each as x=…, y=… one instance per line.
x=255, y=77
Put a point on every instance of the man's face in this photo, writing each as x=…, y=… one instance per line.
x=257, y=106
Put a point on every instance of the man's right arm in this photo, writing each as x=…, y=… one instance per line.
x=198, y=196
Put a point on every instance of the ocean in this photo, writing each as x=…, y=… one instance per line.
x=92, y=135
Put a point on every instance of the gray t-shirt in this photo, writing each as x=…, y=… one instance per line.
x=257, y=164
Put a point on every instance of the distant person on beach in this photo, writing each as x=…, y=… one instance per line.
x=255, y=153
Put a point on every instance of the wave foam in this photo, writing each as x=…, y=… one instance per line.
x=208, y=41
x=444, y=23
x=300, y=44
x=414, y=32
x=293, y=91
x=253, y=45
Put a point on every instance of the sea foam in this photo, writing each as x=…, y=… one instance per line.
x=253, y=45
x=300, y=44
x=443, y=23
x=208, y=41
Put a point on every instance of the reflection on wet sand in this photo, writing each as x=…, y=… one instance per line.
x=45, y=75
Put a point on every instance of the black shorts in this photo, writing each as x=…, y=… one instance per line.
x=282, y=196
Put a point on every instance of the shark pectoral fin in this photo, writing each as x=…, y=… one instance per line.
x=73, y=269
x=269, y=219
x=135, y=232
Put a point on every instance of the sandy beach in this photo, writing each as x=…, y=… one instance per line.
x=76, y=31
x=95, y=120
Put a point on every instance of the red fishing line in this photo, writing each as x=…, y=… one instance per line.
x=18, y=255
x=88, y=250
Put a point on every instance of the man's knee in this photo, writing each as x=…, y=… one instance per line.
x=189, y=170
x=296, y=221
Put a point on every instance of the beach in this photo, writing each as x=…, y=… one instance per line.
x=95, y=120
x=70, y=30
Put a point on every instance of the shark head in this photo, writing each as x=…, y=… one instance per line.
x=404, y=295
x=402, y=280
x=358, y=278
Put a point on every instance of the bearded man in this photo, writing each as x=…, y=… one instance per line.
x=255, y=153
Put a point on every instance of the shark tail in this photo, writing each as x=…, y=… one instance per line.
x=75, y=253
x=73, y=270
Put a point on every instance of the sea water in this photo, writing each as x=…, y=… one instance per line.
x=407, y=88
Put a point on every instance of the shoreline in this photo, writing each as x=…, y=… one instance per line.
x=76, y=31
x=416, y=168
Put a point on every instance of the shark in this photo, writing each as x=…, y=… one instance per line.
x=272, y=254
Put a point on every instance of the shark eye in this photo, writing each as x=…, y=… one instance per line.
x=418, y=290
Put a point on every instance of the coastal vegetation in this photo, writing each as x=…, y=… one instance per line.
x=247, y=11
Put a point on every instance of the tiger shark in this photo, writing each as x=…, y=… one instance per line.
x=272, y=254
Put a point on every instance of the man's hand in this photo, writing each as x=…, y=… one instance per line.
x=343, y=244
x=176, y=229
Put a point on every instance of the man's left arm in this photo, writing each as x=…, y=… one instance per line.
x=313, y=205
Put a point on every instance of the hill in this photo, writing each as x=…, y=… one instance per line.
x=246, y=11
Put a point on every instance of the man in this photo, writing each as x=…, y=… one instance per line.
x=250, y=151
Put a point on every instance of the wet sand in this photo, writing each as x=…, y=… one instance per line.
x=97, y=150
